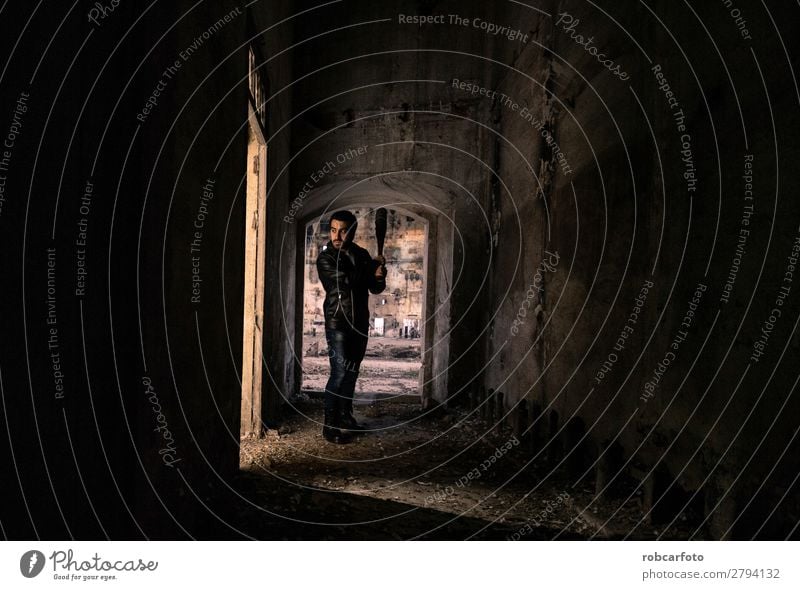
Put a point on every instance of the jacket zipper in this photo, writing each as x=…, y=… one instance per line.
x=339, y=305
x=352, y=309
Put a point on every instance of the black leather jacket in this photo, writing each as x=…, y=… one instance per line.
x=347, y=275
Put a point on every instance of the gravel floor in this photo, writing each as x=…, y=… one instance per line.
x=423, y=475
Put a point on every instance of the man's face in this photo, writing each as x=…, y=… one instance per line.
x=340, y=233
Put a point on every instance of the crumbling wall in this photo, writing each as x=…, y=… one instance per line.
x=629, y=246
x=395, y=107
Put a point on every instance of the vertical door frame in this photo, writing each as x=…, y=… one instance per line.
x=255, y=247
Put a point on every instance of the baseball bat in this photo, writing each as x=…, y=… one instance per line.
x=380, y=228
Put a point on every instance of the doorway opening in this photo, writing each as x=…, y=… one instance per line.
x=393, y=361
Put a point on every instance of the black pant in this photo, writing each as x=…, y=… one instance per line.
x=345, y=351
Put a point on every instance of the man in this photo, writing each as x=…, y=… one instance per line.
x=348, y=274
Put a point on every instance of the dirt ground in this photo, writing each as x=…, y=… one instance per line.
x=434, y=475
x=441, y=474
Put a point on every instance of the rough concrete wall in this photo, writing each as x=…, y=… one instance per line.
x=279, y=369
x=196, y=188
x=519, y=212
x=417, y=130
x=139, y=411
x=619, y=229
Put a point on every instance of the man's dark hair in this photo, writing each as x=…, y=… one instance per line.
x=348, y=218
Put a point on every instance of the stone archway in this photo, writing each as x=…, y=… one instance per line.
x=421, y=200
x=393, y=358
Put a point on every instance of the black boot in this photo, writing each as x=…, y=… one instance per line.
x=348, y=422
x=331, y=431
